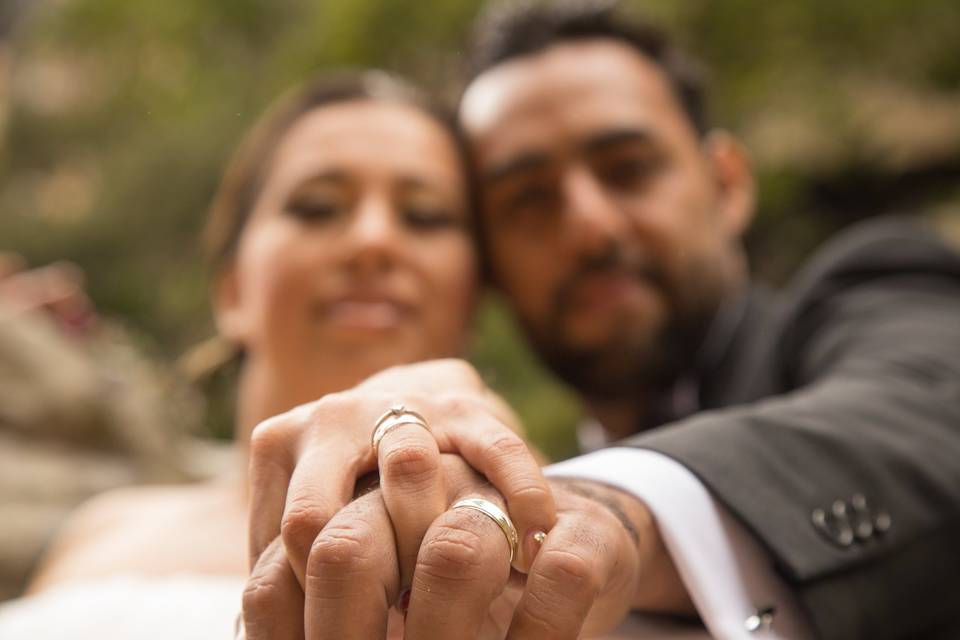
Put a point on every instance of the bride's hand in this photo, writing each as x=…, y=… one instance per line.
x=305, y=464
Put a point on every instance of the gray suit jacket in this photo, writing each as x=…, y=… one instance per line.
x=832, y=430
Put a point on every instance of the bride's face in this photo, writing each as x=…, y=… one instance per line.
x=358, y=254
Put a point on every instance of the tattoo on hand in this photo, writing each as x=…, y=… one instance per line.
x=607, y=499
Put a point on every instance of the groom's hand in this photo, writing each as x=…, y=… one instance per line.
x=603, y=558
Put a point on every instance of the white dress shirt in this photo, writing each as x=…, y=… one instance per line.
x=729, y=576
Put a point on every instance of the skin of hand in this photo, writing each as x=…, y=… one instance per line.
x=305, y=464
x=354, y=566
x=603, y=558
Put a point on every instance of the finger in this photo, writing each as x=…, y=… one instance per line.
x=270, y=468
x=413, y=488
x=465, y=424
x=318, y=489
x=585, y=556
x=486, y=442
x=304, y=465
x=272, y=598
x=464, y=564
x=506, y=461
x=463, y=481
x=501, y=610
x=352, y=577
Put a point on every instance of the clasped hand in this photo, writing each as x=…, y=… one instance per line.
x=326, y=565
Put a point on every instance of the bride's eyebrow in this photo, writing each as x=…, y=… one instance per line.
x=324, y=177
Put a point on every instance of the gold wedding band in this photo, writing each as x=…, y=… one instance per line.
x=496, y=514
x=396, y=416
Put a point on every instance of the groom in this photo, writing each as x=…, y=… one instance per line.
x=782, y=462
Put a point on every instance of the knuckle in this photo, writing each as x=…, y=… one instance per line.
x=530, y=496
x=302, y=522
x=332, y=404
x=452, y=554
x=568, y=574
x=339, y=551
x=410, y=463
x=268, y=438
x=455, y=405
x=262, y=590
x=543, y=614
x=506, y=446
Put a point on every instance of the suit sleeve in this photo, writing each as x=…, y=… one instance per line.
x=851, y=479
x=725, y=571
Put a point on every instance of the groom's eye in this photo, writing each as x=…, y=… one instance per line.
x=629, y=168
x=531, y=201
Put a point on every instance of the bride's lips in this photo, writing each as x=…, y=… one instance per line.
x=365, y=312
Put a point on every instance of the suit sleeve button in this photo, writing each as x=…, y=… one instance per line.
x=882, y=522
x=834, y=525
x=862, y=517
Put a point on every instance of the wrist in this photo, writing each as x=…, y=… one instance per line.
x=658, y=587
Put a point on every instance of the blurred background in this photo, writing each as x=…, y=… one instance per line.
x=119, y=115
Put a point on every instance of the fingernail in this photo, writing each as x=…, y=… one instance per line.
x=403, y=602
x=532, y=544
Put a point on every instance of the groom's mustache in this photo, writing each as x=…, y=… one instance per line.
x=613, y=262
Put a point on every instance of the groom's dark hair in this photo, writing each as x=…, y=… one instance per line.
x=510, y=30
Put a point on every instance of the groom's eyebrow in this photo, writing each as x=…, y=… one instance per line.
x=536, y=160
x=617, y=138
x=525, y=163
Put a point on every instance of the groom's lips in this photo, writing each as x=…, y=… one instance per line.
x=608, y=290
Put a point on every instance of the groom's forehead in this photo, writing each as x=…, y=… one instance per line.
x=565, y=95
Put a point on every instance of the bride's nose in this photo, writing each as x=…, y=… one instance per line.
x=373, y=236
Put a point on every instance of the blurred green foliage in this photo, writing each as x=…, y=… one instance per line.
x=124, y=111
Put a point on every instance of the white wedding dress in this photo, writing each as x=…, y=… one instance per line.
x=186, y=607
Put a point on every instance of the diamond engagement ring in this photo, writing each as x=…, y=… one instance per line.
x=396, y=416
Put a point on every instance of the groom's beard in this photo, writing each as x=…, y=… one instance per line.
x=634, y=357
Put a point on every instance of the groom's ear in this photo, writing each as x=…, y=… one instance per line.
x=733, y=176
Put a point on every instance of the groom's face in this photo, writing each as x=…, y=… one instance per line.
x=601, y=210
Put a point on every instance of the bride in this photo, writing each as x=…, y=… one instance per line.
x=342, y=243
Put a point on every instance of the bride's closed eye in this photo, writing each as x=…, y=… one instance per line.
x=314, y=209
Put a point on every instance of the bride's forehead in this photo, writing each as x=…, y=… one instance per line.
x=367, y=136
x=360, y=120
